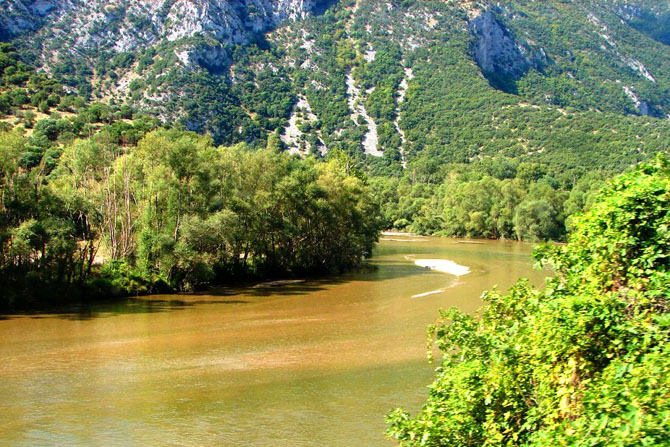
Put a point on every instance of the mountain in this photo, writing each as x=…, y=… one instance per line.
x=571, y=82
x=114, y=24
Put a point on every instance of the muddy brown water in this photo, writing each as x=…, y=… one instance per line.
x=314, y=363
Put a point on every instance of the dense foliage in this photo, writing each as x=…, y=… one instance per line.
x=583, y=361
x=174, y=212
x=21, y=85
x=491, y=198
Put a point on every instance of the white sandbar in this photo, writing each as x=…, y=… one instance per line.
x=443, y=265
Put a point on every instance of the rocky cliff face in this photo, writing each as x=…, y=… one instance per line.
x=111, y=47
x=499, y=54
x=495, y=49
x=17, y=17
x=128, y=25
x=648, y=17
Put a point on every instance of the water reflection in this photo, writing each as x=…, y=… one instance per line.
x=302, y=363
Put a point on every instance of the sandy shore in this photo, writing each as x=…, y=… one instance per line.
x=443, y=265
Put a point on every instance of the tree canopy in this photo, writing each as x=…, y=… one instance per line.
x=174, y=212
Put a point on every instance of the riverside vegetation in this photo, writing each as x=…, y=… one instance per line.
x=582, y=361
x=173, y=212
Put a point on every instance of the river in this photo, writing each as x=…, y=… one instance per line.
x=315, y=363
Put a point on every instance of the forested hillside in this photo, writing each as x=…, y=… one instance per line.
x=567, y=83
